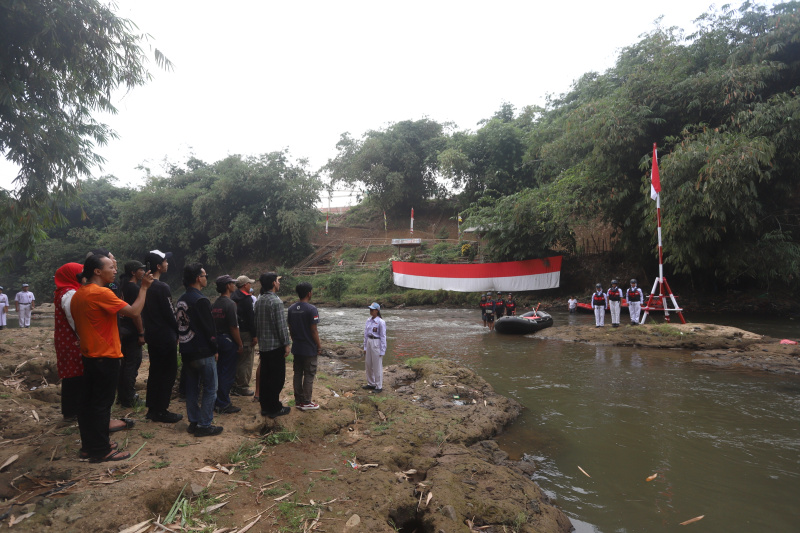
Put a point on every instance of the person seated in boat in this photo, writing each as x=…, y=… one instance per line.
x=490, y=310
x=482, y=305
x=511, y=305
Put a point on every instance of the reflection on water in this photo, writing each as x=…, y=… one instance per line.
x=724, y=444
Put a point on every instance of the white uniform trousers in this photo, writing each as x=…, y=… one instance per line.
x=599, y=315
x=614, y=306
x=373, y=364
x=3, y=315
x=635, y=308
x=24, y=315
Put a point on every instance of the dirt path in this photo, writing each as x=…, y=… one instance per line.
x=413, y=458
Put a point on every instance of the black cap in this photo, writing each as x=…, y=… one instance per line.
x=156, y=257
x=133, y=266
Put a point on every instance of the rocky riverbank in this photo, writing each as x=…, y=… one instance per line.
x=419, y=457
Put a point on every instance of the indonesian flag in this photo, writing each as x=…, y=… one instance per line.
x=513, y=276
x=655, y=181
x=326, y=222
x=412, y=220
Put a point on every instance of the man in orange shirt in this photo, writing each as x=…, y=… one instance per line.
x=94, y=309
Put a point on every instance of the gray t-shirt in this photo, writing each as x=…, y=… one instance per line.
x=224, y=313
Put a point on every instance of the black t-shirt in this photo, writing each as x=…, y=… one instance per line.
x=130, y=291
x=158, y=316
x=300, y=317
x=224, y=312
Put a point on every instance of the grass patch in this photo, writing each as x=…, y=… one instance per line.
x=417, y=361
x=147, y=434
x=5, y=395
x=666, y=330
x=278, y=437
x=157, y=465
x=246, y=456
x=188, y=512
x=295, y=516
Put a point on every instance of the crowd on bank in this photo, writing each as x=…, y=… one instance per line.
x=102, y=324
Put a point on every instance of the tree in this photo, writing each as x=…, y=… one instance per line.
x=397, y=167
x=60, y=62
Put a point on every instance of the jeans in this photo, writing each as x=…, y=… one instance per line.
x=100, y=376
x=305, y=368
x=201, y=373
x=273, y=376
x=226, y=368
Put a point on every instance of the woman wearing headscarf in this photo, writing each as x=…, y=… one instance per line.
x=374, y=348
x=68, y=352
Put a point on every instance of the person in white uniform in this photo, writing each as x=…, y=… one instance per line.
x=3, y=308
x=374, y=348
x=599, y=304
x=24, y=302
x=635, y=296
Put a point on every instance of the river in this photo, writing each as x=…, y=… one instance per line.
x=724, y=444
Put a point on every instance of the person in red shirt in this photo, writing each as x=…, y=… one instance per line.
x=94, y=309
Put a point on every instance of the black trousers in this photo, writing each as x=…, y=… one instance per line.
x=100, y=376
x=71, y=389
x=163, y=371
x=131, y=361
x=273, y=376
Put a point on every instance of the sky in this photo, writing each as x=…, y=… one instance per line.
x=252, y=77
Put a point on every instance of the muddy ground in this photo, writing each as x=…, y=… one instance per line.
x=417, y=457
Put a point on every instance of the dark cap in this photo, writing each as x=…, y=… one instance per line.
x=156, y=257
x=267, y=279
x=225, y=279
x=133, y=266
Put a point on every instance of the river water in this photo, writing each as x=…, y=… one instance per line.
x=724, y=444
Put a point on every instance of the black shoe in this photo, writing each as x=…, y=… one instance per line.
x=209, y=431
x=368, y=387
x=377, y=391
x=281, y=412
x=228, y=410
x=242, y=392
x=164, y=416
x=192, y=427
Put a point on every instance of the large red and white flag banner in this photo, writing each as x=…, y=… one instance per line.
x=512, y=276
x=655, y=180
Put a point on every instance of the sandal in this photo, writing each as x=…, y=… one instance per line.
x=84, y=455
x=129, y=422
x=255, y=398
x=113, y=455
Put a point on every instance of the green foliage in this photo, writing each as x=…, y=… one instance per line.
x=60, y=61
x=337, y=284
x=384, y=281
x=397, y=166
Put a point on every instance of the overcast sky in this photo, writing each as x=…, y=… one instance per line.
x=257, y=76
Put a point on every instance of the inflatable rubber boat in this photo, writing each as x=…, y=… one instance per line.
x=520, y=325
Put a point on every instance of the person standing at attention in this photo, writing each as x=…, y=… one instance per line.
x=573, y=304
x=306, y=346
x=24, y=302
x=614, y=296
x=374, y=348
x=3, y=308
x=599, y=304
x=198, y=346
x=635, y=296
x=131, y=333
x=273, y=345
x=511, y=305
x=482, y=305
x=94, y=308
x=229, y=342
x=161, y=335
x=490, y=310
x=247, y=332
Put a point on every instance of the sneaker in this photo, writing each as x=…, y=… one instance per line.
x=192, y=427
x=242, y=392
x=208, y=431
x=308, y=406
x=377, y=391
x=164, y=416
x=368, y=387
x=228, y=410
x=281, y=412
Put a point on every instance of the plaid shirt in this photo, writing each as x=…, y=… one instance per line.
x=271, y=325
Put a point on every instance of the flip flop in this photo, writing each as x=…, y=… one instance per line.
x=84, y=455
x=114, y=455
x=129, y=423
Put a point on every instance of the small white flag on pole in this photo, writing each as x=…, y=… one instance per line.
x=412, y=220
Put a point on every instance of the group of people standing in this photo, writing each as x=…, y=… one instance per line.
x=24, y=303
x=612, y=301
x=492, y=308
